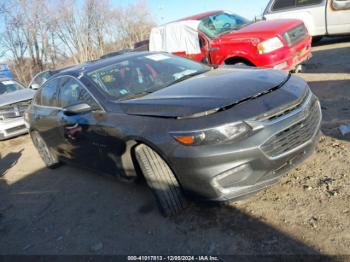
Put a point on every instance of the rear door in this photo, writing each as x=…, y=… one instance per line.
x=338, y=17
x=311, y=12
x=45, y=113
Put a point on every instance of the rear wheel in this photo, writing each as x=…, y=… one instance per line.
x=46, y=154
x=161, y=180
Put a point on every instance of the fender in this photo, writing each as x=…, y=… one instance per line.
x=236, y=48
x=238, y=59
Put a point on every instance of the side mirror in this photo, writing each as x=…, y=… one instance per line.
x=77, y=109
x=35, y=86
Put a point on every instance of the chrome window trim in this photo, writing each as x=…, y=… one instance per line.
x=304, y=107
x=260, y=124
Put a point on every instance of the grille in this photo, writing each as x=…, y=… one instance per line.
x=295, y=35
x=14, y=110
x=293, y=136
x=14, y=129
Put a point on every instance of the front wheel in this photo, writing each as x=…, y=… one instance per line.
x=46, y=154
x=161, y=180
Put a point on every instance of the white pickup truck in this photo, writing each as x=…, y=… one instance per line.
x=321, y=17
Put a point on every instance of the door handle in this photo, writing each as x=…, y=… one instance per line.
x=213, y=49
x=64, y=121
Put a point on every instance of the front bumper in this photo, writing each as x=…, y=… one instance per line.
x=227, y=172
x=288, y=58
x=12, y=128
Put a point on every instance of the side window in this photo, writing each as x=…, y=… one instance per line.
x=72, y=92
x=283, y=4
x=341, y=4
x=49, y=93
x=308, y=2
x=286, y=4
x=41, y=78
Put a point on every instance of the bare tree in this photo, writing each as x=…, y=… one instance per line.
x=133, y=24
x=27, y=26
x=14, y=43
x=38, y=34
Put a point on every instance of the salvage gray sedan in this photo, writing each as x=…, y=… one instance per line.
x=14, y=100
x=215, y=134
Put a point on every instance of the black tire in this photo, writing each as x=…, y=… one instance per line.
x=46, y=154
x=316, y=39
x=161, y=180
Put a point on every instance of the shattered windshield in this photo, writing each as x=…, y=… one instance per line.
x=221, y=23
x=144, y=74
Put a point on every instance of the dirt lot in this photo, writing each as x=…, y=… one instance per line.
x=73, y=211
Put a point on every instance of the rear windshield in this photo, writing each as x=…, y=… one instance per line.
x=143, y=74
x=9, y=86
x=221, y=23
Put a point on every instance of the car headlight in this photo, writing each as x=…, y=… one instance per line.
x=6, y=113
x=270, y=45
x=217, y=135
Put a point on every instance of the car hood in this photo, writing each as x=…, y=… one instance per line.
x=264, y=29
x=17, y=96
x=213, y=90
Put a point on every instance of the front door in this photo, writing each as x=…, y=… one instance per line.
x=77, y=133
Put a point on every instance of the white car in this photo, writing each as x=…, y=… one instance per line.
x=14, y=100
x=321, y=17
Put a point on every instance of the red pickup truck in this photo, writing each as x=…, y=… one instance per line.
x=220, y=37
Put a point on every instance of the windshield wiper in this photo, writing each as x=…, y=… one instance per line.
x=135, y=95
x=140, y=94
x=183, y=78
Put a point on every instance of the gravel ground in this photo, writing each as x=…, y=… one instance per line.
x=74, y=211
